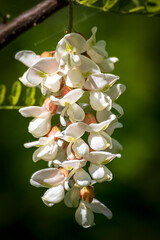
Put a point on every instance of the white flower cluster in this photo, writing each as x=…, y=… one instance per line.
x=78, y=148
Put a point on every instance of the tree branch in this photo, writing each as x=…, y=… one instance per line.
x=28, y=19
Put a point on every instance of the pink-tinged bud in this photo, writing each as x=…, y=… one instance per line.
x=53, y=132
x=50, y=106
x=64, y=171
x=66, y=90
x=87, y=193
x=89, y=118
x=47, y=54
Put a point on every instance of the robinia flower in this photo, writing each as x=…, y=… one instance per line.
x=78, y=144
x=73, y=110
x=97, y=52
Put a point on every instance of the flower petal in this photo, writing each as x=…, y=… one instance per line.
x=82, y=178
x=112, y=127
x=76, y=41
x=98, y=207
x=74, y=78
x=88, y=66
x=39, y=127
x=116, y=146
x=84, y=216
x=103, y=115
x=73, y=96
x=48, y=65
x=52, y=83
x=100, y=101
x=47, y=177
x=118, y=108
x=97, y=127
x=53, y=195
x=46, y=153
x=56, y=101
x=26, y=57
x=24, y=80
x=116, y=91
x=75, y=130
x=80, y=148
x=72, y=197
x=34, y=111
x=99, y=81
x=75, y=164
x=100, y=173
x=107, y=65
x=75, y=113
x=99, y=157
x=98, y=142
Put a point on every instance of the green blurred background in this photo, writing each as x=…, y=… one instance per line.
x=134, y=193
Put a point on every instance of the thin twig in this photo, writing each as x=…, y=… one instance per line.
x=70, y=24
x=28, y=19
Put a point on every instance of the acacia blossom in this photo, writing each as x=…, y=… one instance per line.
x=75, y=124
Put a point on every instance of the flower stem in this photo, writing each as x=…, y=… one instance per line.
x=10, y=107
x=70, y=24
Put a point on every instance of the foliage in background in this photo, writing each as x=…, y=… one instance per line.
x=150, y=7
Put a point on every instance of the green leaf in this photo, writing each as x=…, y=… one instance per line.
x=109, y=4
x=41, y=100
x=149, y=7
x=15, y=93
x=2, y=93
x=30, y=96
x=153, y=6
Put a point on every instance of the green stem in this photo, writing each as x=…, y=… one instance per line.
x=10, y=107
x=70, y=24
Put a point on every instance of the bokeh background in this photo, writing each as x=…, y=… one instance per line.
x=134, y=193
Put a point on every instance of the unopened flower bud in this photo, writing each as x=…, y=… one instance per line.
x=64, y=171
x=47, y=54
x=66, y=90
x=50, y=106
x=53, y=132
x=89, y=118
x=87, y=193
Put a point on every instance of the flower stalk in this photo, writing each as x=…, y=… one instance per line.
x=70, y=17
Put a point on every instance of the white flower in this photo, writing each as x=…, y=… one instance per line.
x=73, y=134
x=98, y=139
x=97, y=83
x=69, y=48
x=72, y=197
x=73, y=110
x=53, y=179
x=47, y=73
x=82, y=178
x=41, y=124
x=76, y=75
x=47, y=146
x=101, y=100
x=100, y=172
x=97, y=52
x=84, y=213
x=101, y=157
x=69, y=164
x=28, y=58
x=107, y=65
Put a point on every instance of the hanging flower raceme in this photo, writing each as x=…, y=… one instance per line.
x=74, y=126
